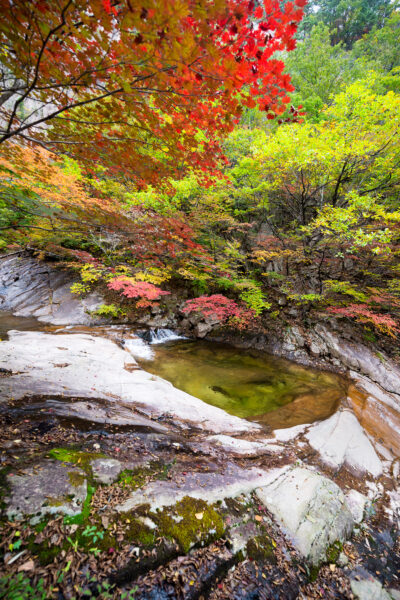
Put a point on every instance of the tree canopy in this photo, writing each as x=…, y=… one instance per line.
x=142, y=88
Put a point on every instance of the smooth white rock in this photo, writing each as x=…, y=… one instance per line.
x=286, y=435
x=341, y=440
x=244, y=447
x=311, y=509
x=208, y=486
x=95, y=367
x=357, y=504
x=366, y=587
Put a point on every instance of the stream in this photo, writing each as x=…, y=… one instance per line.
x=245, y=383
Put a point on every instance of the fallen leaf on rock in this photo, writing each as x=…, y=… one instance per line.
x=258, y=518
x=332, y=567
x=27, y=566
x=199, y=516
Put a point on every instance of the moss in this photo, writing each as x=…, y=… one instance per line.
x=313, y=572
x=180, y=523
x=86, y=543
x=77, y=457
x=136, y=531
x=76, y=479
x=83, y=516
x=261, y=548
x=55, y=501
x=136, y=478
x=4, y=485
x=332, y=553
x=45, y=551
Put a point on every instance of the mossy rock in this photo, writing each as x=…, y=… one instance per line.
x=261, y=548
x=136, y=531
x=190, y=522
x=333, y=552
x=76, y=457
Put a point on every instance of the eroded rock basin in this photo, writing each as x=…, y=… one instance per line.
x=184, y=499
x=248, y=384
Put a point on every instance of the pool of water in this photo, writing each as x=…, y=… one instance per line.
x=246, y=383
x=8, y=322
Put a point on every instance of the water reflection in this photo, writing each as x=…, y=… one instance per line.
x=248, y=384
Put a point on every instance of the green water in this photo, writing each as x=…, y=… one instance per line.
x=248, y=384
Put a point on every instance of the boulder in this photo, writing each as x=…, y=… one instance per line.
x=357, y=504
x=33, y=288
x=106, y=470
x=365, y=587
x=47, y=488
x=311, y=509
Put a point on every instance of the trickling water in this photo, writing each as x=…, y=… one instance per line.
x=161, y=336
x=248, y=384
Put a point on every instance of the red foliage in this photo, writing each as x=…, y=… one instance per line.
x=223, y=309
x=199, y=61
x=363, y=314
x=146, y=292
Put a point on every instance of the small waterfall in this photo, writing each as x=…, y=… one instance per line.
x=161, y=335
x=139, y=348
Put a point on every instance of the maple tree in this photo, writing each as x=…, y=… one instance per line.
x=145, y=88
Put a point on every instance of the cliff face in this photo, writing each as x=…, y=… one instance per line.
x=33, y=288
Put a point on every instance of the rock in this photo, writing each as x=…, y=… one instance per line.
x=201, y=329
x=286, y=435
x=357, y=357
x=209, y=486
x=94, y=367
x=341, y=440
x=311, y=509
x=342, y=560
x=357, y=504
x=106, y=470
x=377, y=410
x=48, y=488
x=241, y=447
x=34, y=288
x=395, y=594
x=114, y=414
x=240, y=535
x=366, y=587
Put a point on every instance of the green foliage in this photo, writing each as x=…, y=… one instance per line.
x=19, y=587
x=306, y=298
x=347, y=20
x=79, y=289
x=109, y=311
x=252, y=295
x=343, y=287
x=319, y=70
